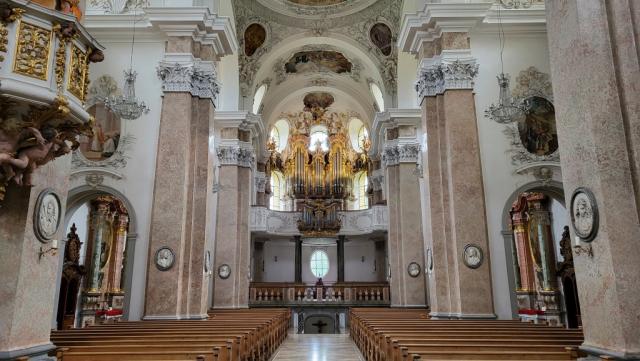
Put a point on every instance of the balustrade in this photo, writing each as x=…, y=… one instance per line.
x=342, y=294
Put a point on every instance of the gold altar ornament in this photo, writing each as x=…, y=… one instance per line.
x=78, y=81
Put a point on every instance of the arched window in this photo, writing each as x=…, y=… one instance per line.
x=360, y=184
x=257, y=98
x=319, y=263
x=319, y=133
x=280, y=134
x=277, y=201
x=357, y=133
x=377, y=96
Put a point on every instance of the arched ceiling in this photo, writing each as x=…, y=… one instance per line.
x=317, y=45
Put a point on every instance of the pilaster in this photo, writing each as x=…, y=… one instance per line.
x=179, y=214
x=599, y=148
x=439, y=36
x=235, y=133
x=397, y=139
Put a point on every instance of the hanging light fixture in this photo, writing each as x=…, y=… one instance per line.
x=507, y=110
x=127, y=106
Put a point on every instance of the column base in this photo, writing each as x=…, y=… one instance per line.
x=596, y=352
x=475, y=316
x=39, y=352
x=441, y=315
x=175, y=317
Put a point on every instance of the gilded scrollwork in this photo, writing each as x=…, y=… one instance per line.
x=4, y=40
x=64, y=33
x=78, y=73
x=32, y=52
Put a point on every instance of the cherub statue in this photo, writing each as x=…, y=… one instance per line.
x=31, y=157
x=13, y=133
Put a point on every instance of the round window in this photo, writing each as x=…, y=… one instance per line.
x=319, y=263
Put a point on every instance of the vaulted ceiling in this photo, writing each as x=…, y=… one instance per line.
x=300, y=46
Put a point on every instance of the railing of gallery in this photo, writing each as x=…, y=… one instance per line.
x=340, y=294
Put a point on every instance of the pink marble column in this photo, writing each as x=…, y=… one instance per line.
x=26, y=291
x=405, y=243
x=455, y=189
x=179, y=214
x=595, y=70
x=233, y=244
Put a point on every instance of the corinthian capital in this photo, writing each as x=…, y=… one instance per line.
x=198, y=78
x=440, y=74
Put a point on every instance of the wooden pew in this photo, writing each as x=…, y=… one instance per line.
x=399, y=335
x=229, y=335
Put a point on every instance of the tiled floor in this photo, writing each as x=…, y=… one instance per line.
x=318, y=348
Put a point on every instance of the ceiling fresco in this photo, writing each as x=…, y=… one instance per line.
x=317, y=2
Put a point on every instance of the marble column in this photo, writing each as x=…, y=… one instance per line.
x=298, y=259
x=341, y=240
x=233, y=241
x=179, y=216
x=405, y=240
x=26, y=280
x=454, y=174
x=595, y=69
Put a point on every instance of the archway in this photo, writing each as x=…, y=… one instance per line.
x=95, y=276
x=534, y=231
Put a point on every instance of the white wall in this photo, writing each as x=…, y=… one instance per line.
x=332, y=252
x=81, y=219
x=136, y=180
x=521, y=51
x=559, y=219
x=355, y=270
x=282, y=270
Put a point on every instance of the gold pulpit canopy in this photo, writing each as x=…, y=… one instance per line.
x=44, y=77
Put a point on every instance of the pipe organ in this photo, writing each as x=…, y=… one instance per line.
x=318, y=164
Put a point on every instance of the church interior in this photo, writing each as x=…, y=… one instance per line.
x=272, y=180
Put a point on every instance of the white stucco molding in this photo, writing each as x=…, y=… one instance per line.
x=464, y=16
x=452, y=69
x=181, y=72
x=393, y=118
x=280, y=223
x=157, y=23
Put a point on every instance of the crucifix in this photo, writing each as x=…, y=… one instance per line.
x=319, y=325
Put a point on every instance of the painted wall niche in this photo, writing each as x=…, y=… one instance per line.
x=254, y=37
x=382, y=37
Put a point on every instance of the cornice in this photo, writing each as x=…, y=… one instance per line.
x=482, y=17
x=158, y=23
x=392, y=118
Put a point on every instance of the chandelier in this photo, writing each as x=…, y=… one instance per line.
x=507, y=110
x=127, y=106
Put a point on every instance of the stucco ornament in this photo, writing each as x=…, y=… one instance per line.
x=531, y=132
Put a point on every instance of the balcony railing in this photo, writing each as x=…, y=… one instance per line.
x=339, y=294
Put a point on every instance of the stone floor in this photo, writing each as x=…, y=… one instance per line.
x=318, y=348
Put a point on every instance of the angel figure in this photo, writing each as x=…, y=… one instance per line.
x=31, y=157
x=13, y=133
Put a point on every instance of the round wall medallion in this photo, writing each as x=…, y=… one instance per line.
x=46, y=218
x=472, y=256
x=207, y=262
x=165, y=258
x=429, y=261
x=413, y=269
x=584, y=214
x=224, y=271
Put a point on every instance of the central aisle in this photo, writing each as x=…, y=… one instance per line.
x=318, y=348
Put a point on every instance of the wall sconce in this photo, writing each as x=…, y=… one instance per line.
x=275, y=259
x=53, y=249
x=580, y=250
x=362, y=259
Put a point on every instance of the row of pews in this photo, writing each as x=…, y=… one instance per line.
x=406, y=334
x=227, y=335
